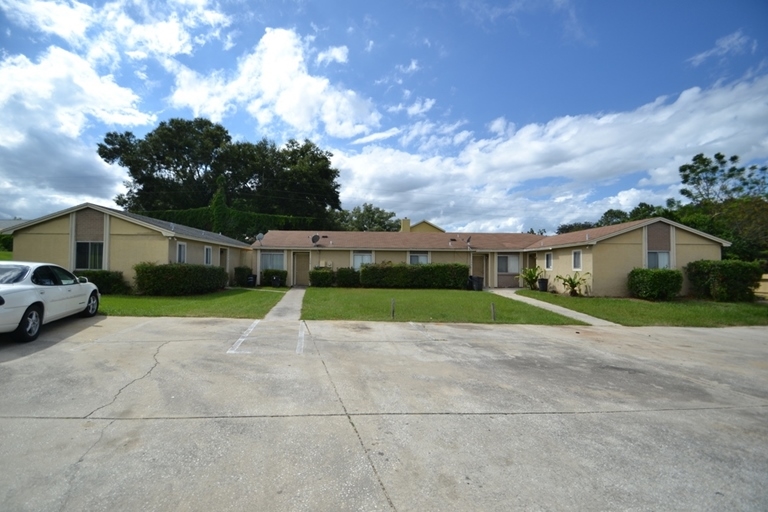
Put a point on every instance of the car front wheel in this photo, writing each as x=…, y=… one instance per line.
x=29, y=327
x=92, y=306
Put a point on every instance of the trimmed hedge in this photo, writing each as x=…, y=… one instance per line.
x=266, y=276
x=724, y=281
x=433, y=275
x=655, y=283
x=347, y=277
x=241, y=276
x=178, y=279
x=321, y=278
x=109, y=282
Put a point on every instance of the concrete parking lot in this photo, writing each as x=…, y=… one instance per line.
x=214, y=414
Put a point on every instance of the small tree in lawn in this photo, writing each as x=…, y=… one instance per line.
x=573, y=283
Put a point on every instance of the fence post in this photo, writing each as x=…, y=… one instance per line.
x=493, y=311
x=393, y=309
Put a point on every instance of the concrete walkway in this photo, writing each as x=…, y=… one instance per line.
x=511, y=293
x=289, y=307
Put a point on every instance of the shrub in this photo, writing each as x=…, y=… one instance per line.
x=433, y=275
x=109, y=282
x=724, y=281
x=347, y=278
x=655, y=283
x=531, y=277
x=6, y=243
x=266, y=276
x=178, y=279
x=241, y=276
x=573, y=283
x=321, y=277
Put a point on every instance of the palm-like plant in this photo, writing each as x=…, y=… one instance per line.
x=531, y=276
x=573, y=283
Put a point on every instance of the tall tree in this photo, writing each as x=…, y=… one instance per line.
x=711, y=182
x=575, y=226
x=174, y=166
x=613, y=216
x=367, y=218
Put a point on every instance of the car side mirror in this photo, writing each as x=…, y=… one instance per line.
x=82, y=279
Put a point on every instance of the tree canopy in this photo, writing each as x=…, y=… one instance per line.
x=366, y=218
x=178, y=166
x=726, y=201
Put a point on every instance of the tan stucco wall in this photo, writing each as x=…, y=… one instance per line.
x=423, y=227
x=393, y=256
x=562, y=266
x=450, y=257
x=130, y=244
x=48, y=241
x=333, y=259
x=613, y=260
x=691, y=247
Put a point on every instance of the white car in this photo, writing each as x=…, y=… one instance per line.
x=33, y=294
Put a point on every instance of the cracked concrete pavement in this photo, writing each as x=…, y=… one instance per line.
x=216, y=414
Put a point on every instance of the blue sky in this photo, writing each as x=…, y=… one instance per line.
x=474, y=115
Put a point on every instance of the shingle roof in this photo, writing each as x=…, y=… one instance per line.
x=387, y=240
x=167, y=228
x=498, y=242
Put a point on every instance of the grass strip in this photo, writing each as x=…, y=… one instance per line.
x=678, y=313
x=232, y=303
x=450, y=306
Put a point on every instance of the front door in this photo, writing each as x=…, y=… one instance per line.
x=301, y=269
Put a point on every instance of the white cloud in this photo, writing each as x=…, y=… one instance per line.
x=273, y=84
x=732, y=44
x=333, y=54
x=68, y=20
x=377, y=136
x=410, y=68
x=636, y=154
x=369, y=46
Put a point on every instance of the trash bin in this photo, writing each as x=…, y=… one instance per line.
x=477, y=283
x=250, y=281
x=276, y=281
x=543, y=285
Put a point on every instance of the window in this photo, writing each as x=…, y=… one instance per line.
x=272, y=261
x=658, y=259
x=207, y=255
x=64, y=277
x=508, y=264
x=418, y=258
x=89, y=255
x=181, y=252
x=576, y=260
x=548, y=260
x=360, y=258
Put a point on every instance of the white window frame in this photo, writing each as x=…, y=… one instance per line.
x=90, y=247
x=181, y=252
x=207, y=255
x=507, y=257
x=356, y=265
x=549, y=261
x=658, y=265
x=419, y=255
x=273, y=253
x=573, y=260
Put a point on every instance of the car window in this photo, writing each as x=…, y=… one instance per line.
x=43, y=276
x=10, y=274
x=64, y=276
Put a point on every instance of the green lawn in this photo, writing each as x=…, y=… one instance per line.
x=6, y=255
x=234, y=303
x=678, y=313
x=454, y=306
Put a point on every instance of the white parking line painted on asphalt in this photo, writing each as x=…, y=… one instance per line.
x=233, y=349
x=300, y=345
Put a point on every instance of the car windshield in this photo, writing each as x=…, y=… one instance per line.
x=10, y=274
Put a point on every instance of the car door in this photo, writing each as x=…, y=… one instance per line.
x=53, y=295
x=74, y=295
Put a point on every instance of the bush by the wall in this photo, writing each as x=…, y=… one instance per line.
x=6, y=243
x=178, y=279
x=434, y=275
x=241, y=276
x=724, y=281
x=655, y=283
x=109, y=282
x=347, y=277
x=321, y=277
x=266, y=276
